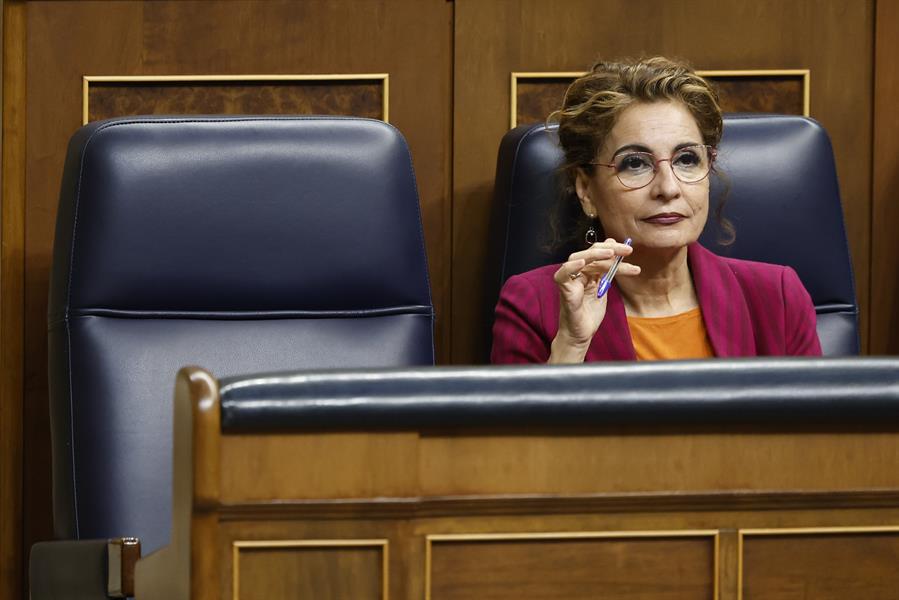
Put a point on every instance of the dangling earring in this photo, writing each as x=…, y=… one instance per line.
x=590, y=237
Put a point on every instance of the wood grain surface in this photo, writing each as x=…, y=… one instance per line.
x=666, y=569
x=885, y=208
x=693, y=460
x=302, y=572
x=781, y=94
x=13, y=412
x=276, y=523
x=825, y=566
x=358, y=99
x=537, y=97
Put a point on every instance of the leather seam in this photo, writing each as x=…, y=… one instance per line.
x=424, y=311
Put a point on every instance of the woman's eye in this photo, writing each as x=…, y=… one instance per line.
x=687, y=159
x=634, y=162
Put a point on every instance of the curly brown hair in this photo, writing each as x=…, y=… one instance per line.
x=594, y=101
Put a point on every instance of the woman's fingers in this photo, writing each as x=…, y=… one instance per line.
x=595, y=261
x=595, y=252
x=602, y=251
x=569, y=271
x=619, y=248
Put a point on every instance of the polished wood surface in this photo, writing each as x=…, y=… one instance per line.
x=357, y=99
x=184, y=567
x=782, y=94
x=326, y=570
x=885, y=209
x=359, y=465
x=569, y=569
x=493, y=39
x=538, y=97
x=12, y=268
x=526, y=513
x=825, y=565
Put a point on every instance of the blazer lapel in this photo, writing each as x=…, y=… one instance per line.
x=724, y=310
x=613, y=339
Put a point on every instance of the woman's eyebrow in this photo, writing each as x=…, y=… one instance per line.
x=635, y=147
x=642, y=148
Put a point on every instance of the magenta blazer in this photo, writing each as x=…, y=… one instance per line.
x=749, y=309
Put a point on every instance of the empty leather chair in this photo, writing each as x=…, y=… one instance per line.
x=244, y=244
x=783, y=200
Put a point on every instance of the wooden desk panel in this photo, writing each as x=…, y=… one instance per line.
x=648, y=513
x=666, y=566
x=300, y=569
x=825, y=564
x=615, y=461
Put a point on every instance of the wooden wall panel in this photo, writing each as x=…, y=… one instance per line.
x=361, y=98
x=304, y=569
x=536, y=97
x=12, y=295
x=885, y=209
x=553, y=567
x=833, y=39
x=784, y=94
x=823, y=565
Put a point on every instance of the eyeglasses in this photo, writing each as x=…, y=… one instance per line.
x=635, y=170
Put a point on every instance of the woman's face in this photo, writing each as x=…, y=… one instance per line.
x=667, y=213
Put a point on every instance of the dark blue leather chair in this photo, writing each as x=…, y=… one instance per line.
x=784, y=202
x=244, y=244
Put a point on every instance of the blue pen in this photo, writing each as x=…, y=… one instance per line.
x=606, y=282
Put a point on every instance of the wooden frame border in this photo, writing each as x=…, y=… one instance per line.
x=430, y=539
x=798, y=531
x=806, y=75
x=516, y=75
x=383, y=544
x=88, y=79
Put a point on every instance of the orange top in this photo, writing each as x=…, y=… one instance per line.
x=675, y=337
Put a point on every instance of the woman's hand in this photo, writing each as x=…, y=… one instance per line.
x=580, y=311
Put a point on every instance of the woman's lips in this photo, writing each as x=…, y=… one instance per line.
x=665, y=218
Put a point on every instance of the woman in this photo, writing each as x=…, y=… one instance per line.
x=639, y=142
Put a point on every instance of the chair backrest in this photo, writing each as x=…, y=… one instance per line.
x=246, y=244
x=784, y=202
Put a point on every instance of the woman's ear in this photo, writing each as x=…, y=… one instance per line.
x=582, y=188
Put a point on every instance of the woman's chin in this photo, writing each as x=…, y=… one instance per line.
x=666, y=240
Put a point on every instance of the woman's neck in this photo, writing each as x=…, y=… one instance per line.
x=664, y=286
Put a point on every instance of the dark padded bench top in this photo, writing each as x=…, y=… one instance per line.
x=834, y=390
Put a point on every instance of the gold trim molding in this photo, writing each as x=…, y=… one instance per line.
x=798, y=531
x=804, y=73
x=431, y=539
x=87, y=80
x=237, y=545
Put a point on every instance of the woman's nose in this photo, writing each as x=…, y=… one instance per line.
x=665, y=184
